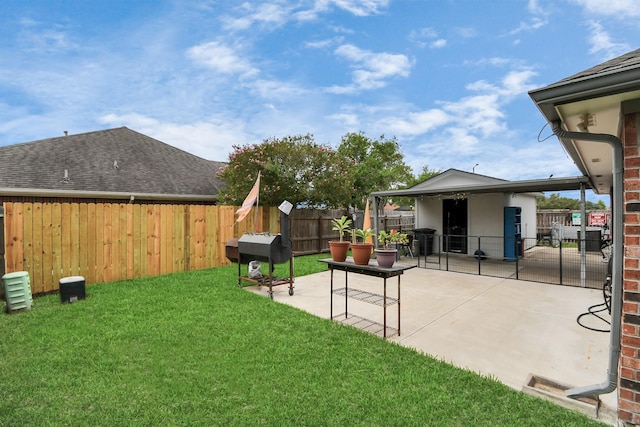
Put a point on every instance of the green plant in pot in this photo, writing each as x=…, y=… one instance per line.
x=361, y=250
x=386, y=255
x=339, y=248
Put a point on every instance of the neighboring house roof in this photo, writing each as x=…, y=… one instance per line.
x=113, y=161
x=454, y=182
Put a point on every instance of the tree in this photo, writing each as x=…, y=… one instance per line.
x=555, y=201
x=424, y=175
x=293, y=168
x=377, y=165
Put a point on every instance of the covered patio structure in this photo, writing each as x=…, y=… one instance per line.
x=511, y=188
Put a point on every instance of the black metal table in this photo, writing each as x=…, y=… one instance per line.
x=372, y=298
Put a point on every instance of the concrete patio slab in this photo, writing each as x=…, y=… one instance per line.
x=504, y=328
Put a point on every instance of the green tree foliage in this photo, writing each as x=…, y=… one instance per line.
x=424, y=175
x=376, y=165
x=293, y=168
x=555, y=201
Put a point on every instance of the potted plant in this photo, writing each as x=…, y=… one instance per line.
x=340, y=247
x=362, y=250
x=386, y=255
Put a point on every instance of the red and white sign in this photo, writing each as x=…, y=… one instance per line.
x=597, y=218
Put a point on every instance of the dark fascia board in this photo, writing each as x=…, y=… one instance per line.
x=528, y=186
x=38, y=192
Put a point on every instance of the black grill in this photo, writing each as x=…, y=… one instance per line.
x=264, y=247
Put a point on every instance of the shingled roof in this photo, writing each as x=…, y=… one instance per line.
x=116, y=160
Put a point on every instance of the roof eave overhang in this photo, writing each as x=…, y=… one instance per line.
x=529, y=186
x=564, y=92
x=548, y=99
x=38, y=192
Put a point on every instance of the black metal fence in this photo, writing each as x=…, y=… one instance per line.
x=525, y=259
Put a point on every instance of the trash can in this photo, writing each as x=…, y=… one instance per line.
x=17, y=291
x=425, y=240
x=592, y=241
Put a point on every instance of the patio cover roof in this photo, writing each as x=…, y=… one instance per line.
x=527, y=186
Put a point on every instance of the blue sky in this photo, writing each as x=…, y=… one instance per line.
x=448, y=78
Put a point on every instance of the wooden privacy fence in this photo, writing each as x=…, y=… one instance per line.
x=105, y=242
x=109, y=241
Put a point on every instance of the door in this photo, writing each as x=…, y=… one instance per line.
x=454, y=224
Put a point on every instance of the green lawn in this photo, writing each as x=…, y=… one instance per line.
x=193, y=349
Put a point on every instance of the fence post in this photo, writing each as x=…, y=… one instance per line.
x=560, y=261
x=320, y=233
x=479, y=257
x=515, y=251
x=447, y=253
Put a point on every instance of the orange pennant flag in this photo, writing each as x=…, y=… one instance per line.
x=367, y=222
x=249, y=201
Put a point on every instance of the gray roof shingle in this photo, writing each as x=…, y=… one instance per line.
x=629, y=60
x=113, y=160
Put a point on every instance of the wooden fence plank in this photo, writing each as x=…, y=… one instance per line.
x=47, y=248
x=211, y=237
x=107, y=252
x=122, y=241
x=36, y=270
x=56, y=239
x=15, y=238
x=178, y=239
x=74, y=263
x=165, y=238
x=27, y=235
x=130, y=241
x=100, y=243
x=115, y=242
x=137, y=241
x=65, y=237
x=90, y=246
x=83, y=237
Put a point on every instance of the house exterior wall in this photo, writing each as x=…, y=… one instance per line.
x=629, y=366
x=485, y=218
x=429, y=213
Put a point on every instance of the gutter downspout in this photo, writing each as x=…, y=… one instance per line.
x=611, y=382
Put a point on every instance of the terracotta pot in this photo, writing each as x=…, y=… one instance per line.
x=339, y=250
x=386, y=257
x=361, y=253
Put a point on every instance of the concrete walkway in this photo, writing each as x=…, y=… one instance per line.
x=498, y=327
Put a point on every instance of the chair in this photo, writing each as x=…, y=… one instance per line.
x=406, y=247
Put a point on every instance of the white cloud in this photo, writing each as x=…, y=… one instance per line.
x=209, y=139
x=601, y=43
x=361, y=7
x=270, y=15
x=534, y=24
x=372, y=69
x=272, y=89
x=416, y=123
x=221, y=58
x=518, y=82
x=623, y=9
x=43, y=38
x=356, y=7
x=348, y=120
